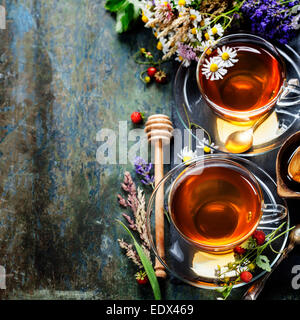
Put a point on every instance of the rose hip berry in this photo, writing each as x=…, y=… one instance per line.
x=151, y=71
x=160, y=77
x=259, y=236
x=141, y=277
x=239, y=250
x=246, y=276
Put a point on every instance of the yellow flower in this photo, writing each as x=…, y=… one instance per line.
x=147, y=79
x=187, y=158
x=206, y=36
x=181, y=2
x=206, y=149
x=193, y=17
x=144, y=19
x=194, y=31
x=142, y=50
x=159, y=45
x=214, y=30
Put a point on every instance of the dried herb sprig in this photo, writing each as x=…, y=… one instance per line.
x=136, y=202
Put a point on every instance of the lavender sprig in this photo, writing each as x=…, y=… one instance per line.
x=144, y=169
x=274, y=19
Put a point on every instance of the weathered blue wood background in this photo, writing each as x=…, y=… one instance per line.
x=66, y=75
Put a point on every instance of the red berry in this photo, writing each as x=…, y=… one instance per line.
x=141, y=277
x=160, y=76
x=136, y=117
x=259, y=236
x=151, y=71
x=246, y=276
x=239, y=250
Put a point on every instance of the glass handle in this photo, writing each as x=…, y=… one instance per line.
x=272, y=213
x=290, y=95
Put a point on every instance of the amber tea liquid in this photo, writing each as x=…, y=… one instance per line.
x=250, y=84
x=217, y=207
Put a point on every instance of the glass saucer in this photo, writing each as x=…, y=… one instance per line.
x=191, y=107
x=185, y=261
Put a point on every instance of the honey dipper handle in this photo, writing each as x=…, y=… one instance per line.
x=159, y=209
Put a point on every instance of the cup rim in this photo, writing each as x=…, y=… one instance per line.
x=242, y=115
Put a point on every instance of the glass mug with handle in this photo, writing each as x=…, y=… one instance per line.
x=243, y=76
x=216, y=204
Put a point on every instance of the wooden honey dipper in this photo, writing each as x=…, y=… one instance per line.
x=159, y=130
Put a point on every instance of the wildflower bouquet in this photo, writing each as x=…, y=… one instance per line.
x=186, y=28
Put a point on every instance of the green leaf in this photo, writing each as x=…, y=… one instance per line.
x=124, y=17
x=136, y=8
x=114, y=5
x=263, y=262
x=249, y=243
x=146, y=264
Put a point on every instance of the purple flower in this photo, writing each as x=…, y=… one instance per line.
x=271, y=18
x=143, y=168
x=186, y=52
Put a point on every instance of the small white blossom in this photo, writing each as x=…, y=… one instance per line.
x=227, y=56
x=213, y=69
x=216, y=29
x=187, y=155
x=185, y=62
x=195, y=16
x=206, y=146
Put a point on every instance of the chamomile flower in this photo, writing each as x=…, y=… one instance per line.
x=182, y=3
x=227, y=56
x=206, y=146
x=194, y=34
x=185, y=62
x=206, y=44
x=217, y=29
x=187, y=155
x=213, y=69
x=162, y=45
x=195, y=16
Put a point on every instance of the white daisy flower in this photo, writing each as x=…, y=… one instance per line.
x=205, y=44
x=163, y=45
x=194, y=34
x=213, y=69
x=185, y=62
x=227, y=56
x=195, y=16
x=186, y=154
x=216, y=29
x=182, y=3
x=206, y=146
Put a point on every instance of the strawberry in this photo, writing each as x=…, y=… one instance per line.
x=137, y=117
x=239, y=250
x=259, y=236
x=141, y=277
x=246, y=276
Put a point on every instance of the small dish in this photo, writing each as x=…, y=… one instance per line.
x=287, y=188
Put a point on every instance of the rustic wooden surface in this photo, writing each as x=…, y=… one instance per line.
x=67, y=75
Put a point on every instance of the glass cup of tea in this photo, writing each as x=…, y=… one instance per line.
x=243, y=76
x=216, y=204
